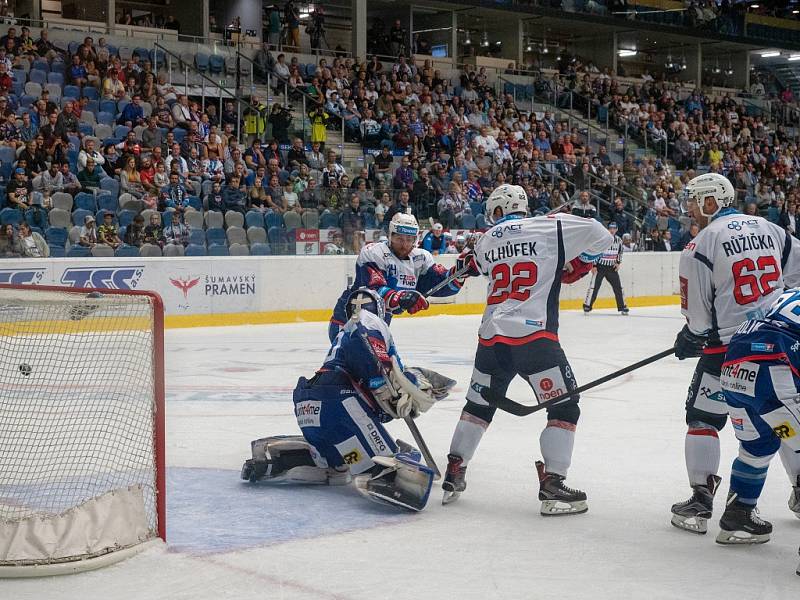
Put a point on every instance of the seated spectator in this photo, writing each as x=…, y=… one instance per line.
x=113, y=88
x=435, y=241
x=582, y=207
x=174, y=195
x=108, y=233
x=88, y=233
x=453, y=205
x=77, y=72
x=177, y=232
x=9, y=242
x=50, y=181
x=133, y=113
x=352, y=224
x=89, y=178
x=71, y=183
x=19, y=190
x=31, y=244
x=215, y=200
x=89, y=151
x=234, y=196
x=130, y=180
x=337, y=247
x=297, y=155
x=134, y=235
x=154, y=232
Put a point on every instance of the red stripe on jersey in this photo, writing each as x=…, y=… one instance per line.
x=781, y=356
x=715, y=350
x=502, y=339
x=703, y=431
x=561, y=424
x=337, y=322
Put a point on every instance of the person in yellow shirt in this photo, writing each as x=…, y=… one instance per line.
x=318, y=118
x=714, y=155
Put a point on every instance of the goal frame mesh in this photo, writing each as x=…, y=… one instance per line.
x=68, y=565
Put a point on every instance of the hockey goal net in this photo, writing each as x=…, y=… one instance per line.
x=81, y=427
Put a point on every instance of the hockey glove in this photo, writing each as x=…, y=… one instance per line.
x=466, y=259
x=413, y=390
x=688, y=344
x=409, y=300
x=576, y=269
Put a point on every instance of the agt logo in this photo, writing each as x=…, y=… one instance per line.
x=119, y=278
x=22, y=276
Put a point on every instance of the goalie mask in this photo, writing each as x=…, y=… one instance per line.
x=364, y=299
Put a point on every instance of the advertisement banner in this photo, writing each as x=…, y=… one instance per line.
x=306, y=242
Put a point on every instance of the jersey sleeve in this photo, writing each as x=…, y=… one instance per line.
x=370, y=268
x=584, y=238
x=695, y=275
x=790, y=260
x=432, y=274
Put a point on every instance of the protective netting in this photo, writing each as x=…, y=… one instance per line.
x=77, y=401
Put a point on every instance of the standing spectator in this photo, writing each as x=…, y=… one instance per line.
x=352, y=224
x=318, y=118
x=291, y=17
x=107, y=233
x=177, y=232
x=607, y=268
x=453, y=205
x=31, y=243
x=582, y=206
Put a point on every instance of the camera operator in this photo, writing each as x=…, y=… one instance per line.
x=291, y=19
x=254, y=123
x=316, y=28
x=280, y=118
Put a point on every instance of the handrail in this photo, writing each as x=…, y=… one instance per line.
x=222, y=91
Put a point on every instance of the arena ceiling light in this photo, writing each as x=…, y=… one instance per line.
x=625, y=53
x=770, y=54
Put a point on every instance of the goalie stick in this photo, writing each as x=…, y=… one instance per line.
x=412, y=427
x=522, y=410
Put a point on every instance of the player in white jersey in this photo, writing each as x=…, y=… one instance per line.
x=526, y=260
x=735, y=268
x=399, y=271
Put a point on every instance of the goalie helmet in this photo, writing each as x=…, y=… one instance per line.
x=404, y=224
x=714, y=185
x=364, y=299
x=510, y=199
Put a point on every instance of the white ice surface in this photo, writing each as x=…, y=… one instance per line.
x=228, y=386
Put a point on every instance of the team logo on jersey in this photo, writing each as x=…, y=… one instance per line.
x=307, y=413
x=737, y=423
x=548, y=384
x=512, y=228
x=737, y=225
x=784, y=431
x=759, y=347
x=740, y=377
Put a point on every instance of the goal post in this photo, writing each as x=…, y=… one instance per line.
x=82, y=466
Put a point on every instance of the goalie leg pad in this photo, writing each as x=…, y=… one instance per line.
x=399, y=481
x=290, y=459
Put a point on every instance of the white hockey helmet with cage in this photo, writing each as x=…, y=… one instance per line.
x=404, y=224
x=511, y=199
x=364, y=299
x=712, y=185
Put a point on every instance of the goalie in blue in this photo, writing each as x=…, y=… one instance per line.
x=341, y=411
x=761, y=382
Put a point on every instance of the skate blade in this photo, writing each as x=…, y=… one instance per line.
x=555, y=508
x=740, y=538
x=698, y=525
x=450, y=497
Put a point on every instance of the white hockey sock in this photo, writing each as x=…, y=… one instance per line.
x=467, y=436
x=791, y=462
x=702, y=453
x=556, y=443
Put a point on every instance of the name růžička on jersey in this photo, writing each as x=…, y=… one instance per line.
x=744, y=243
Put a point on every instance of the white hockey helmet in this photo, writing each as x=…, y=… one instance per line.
x=404, y=224
x=711, y=184
x=511, y=199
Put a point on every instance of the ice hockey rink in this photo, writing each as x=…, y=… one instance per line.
x=231, y=539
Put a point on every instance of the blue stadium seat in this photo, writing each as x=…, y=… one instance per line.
x=8, y=155
x=126, y=217
x=78, y=251
x=85, y=129
x=201, y=62
x=110, y=185
x=41, y=64
x=216, y=236
x=72, y=91
x=85, y=201
x=56, y=236
x=143, y=53
x=195, y=203
x=108, y=106
x=260, y=249
x=197, y=237
x=57, y=66
x=195, y=250
x=328, y=220
x=107, y=202
x=480, y=222
x=126, y=250
x=57, y=78
x=100, y=216
x=273, y=219
x=158, y=57
x=468, y=221
x=91, y=92
x=278, y=240
x=36, y=217
x=72, y=47
x=57, y=251
x=38, y=76
x=477, y=208
x=13, y=216
x=218, y=250
x=79, y=214
x=105, y=118
x=216, y=64
x=283, y=175
x=254, y=219
x=26, y=101
x=179, y=134
x=120, y=131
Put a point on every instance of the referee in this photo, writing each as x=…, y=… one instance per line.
x=607, y=268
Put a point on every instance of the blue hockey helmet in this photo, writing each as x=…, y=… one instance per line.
x=786, y=308
x=364, y=299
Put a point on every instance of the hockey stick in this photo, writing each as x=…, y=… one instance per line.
x=412, y=427
x=521, y=410
x=445, y=282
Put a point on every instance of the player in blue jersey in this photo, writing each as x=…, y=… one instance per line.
x=400, y=272
x=341, y=412
x=761, y=382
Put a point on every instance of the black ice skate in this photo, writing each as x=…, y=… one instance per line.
x=794, y=499
x=624, y=310
x=587, y=308
x=740, y=524
x=693, y=514
x=455, y=480
x=558, y=499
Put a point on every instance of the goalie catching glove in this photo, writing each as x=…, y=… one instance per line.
x=412, y=391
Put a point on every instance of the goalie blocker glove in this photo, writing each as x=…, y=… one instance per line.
x=410, y=301
x=689, y=344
